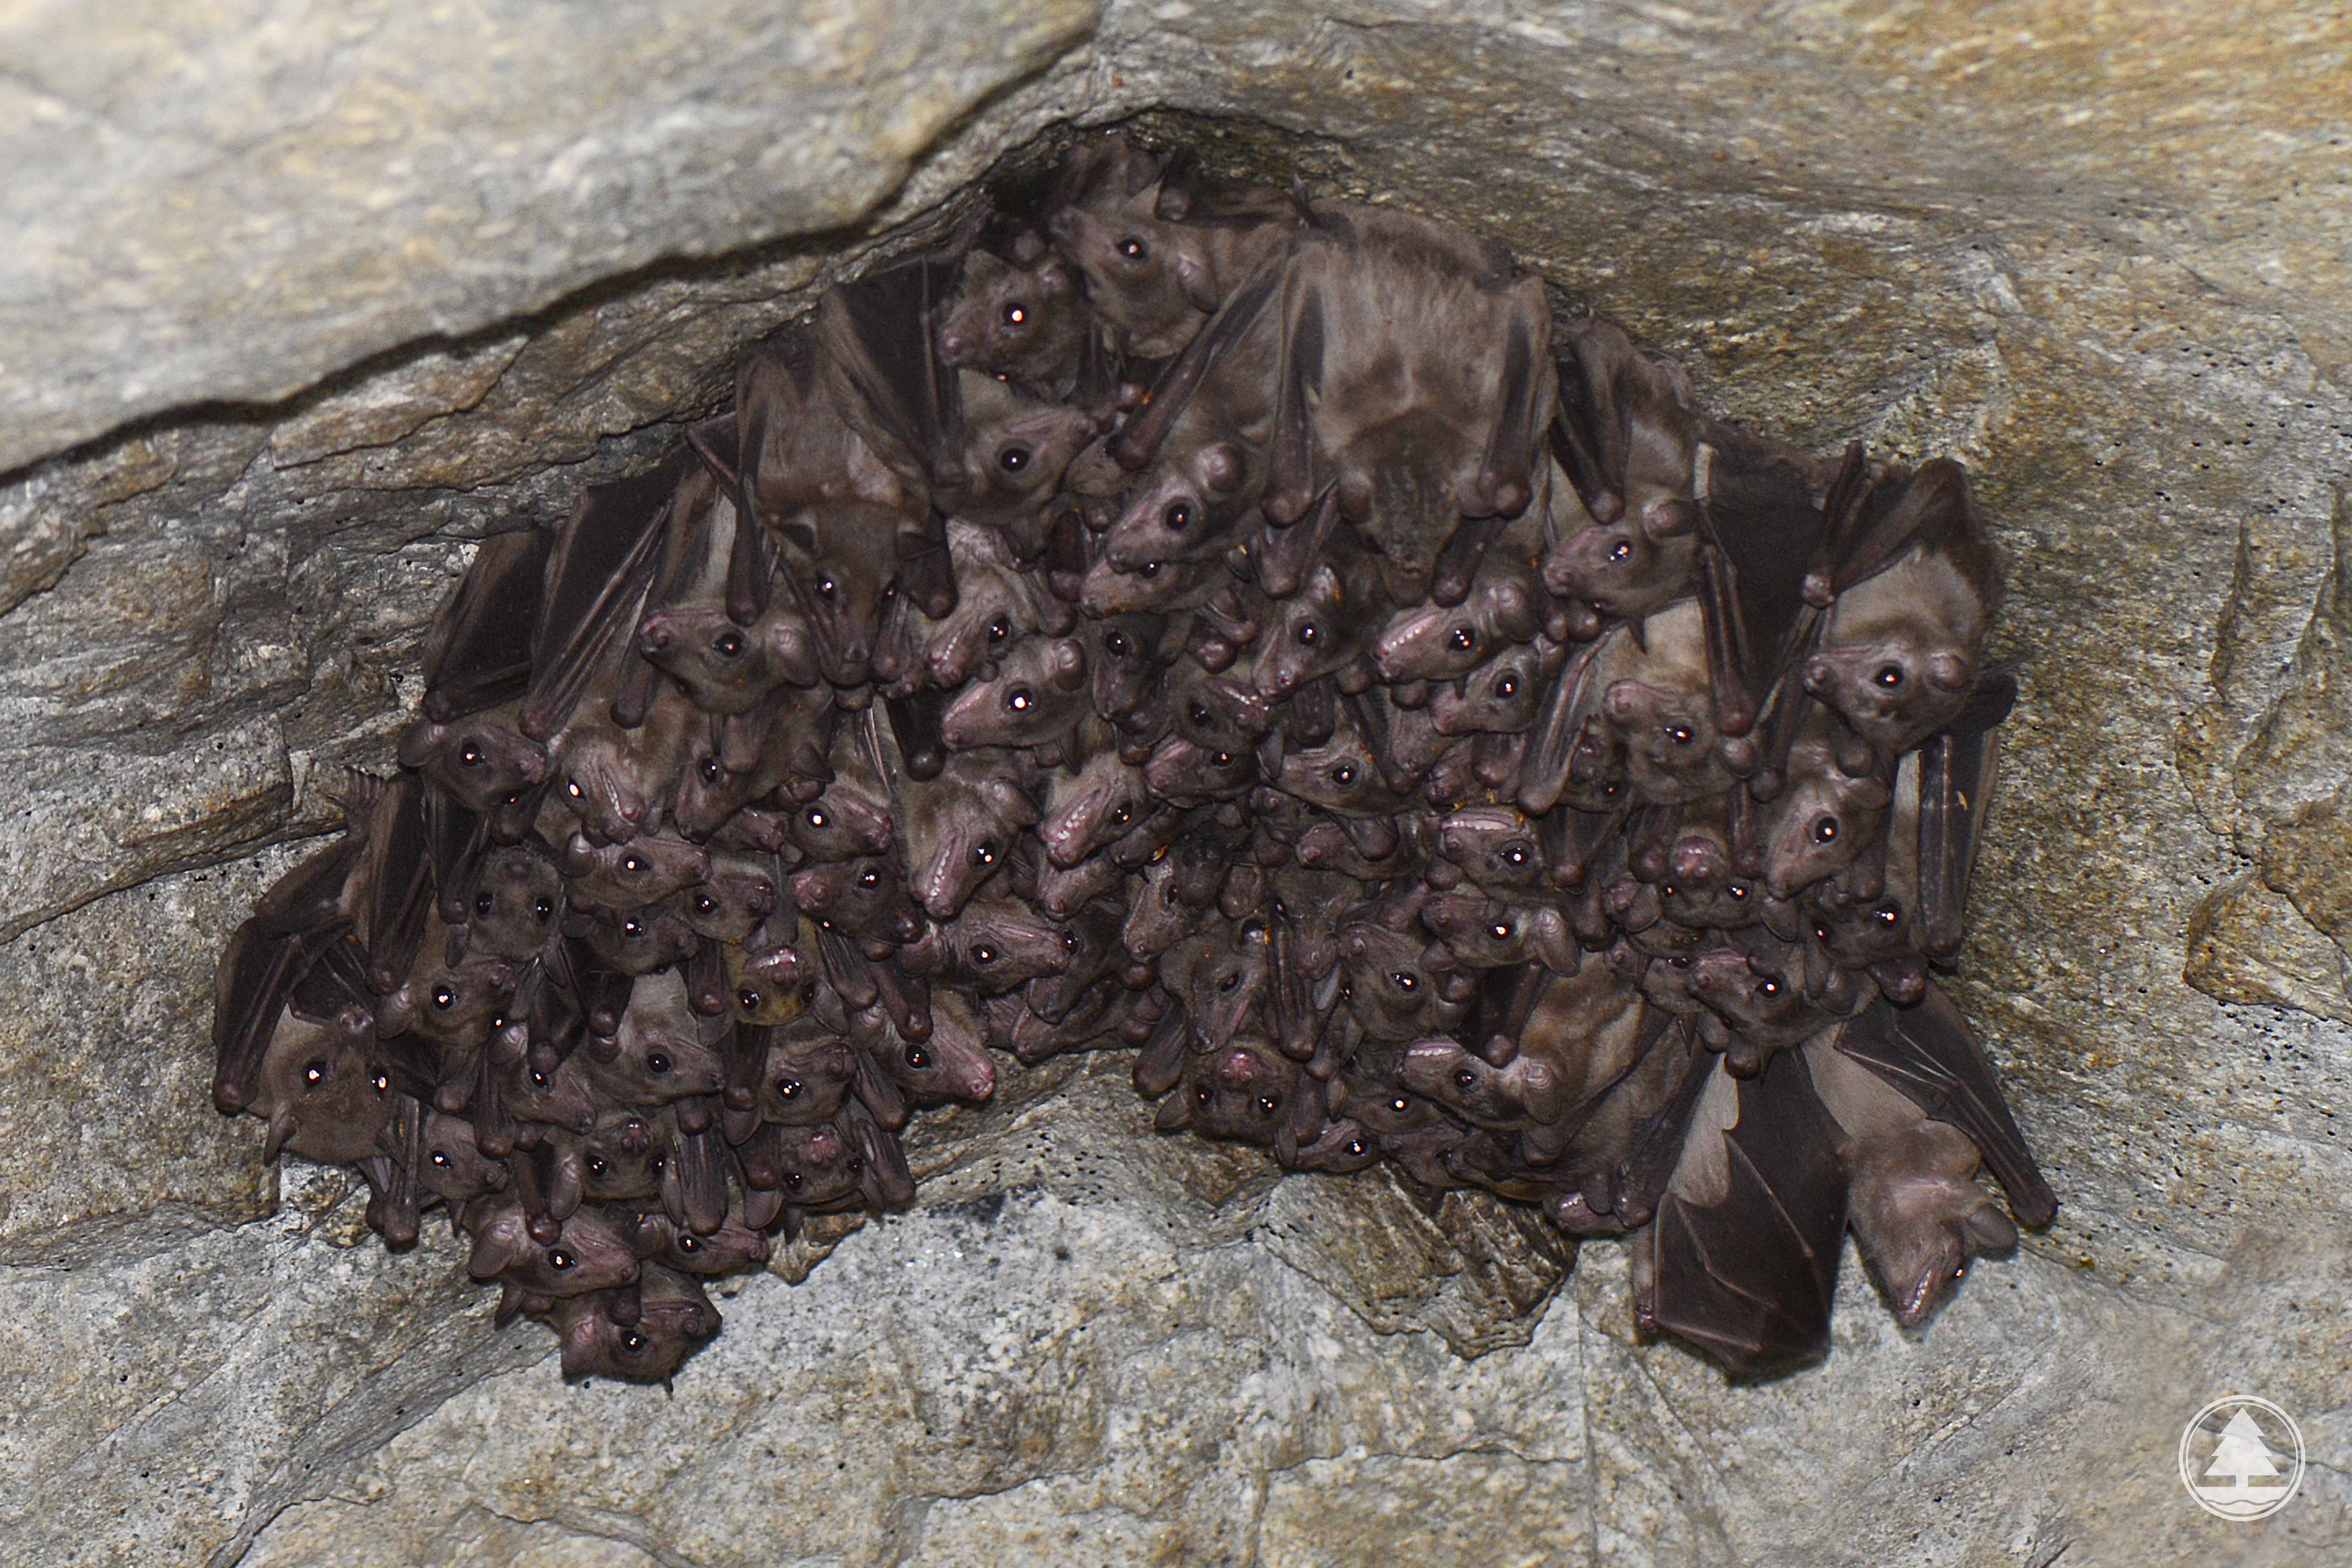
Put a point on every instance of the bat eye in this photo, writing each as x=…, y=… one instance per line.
x=730, y=644
x=631, y=863
x=1019, y=699
x=656, y=1165
x=382, y=1082
x=1121, y=815
x=443, y=998
x=1201, y=1094
x=1267, y=1104
x=1229, y=982
x=1118, y=644
x=1400, y=1104
x=999, y=629
x=710, y=770
x=657, y=1062
x=1221, y=760
x=558, y=1259
x=1345, y=773
x=1133, y=249
x=1403, y=982
x=788, y=1089
x=1890, y=676
x=1825, y=829
x=704, y=903
x=634, y=1342
x=1198, y=712
x=1666, y=892
x=1739, y=891
x=869, y=879
x=1620, y=551
x=597, y=1167
x=484, y=903
x=440, y=1159
x=1148, y=570
x=1463, y=638
x=1500, y=931
x=1013, y=459
x=748, y=999
x=982, y=855
x=633, y=928
x=1767, y=988
x=1889, y=915
x=1015, y=313
x=315, y=1074
x=1069, y=941
x=469, y=755
x=793, y=1180
x=1178, y=517
x=1309, y=634
x=1516, y=855
x=917, y=1058
x=538, y=1080
x=816, y=819
x=1509, y=686
x=1356, y=1149
x=690, y=1244
x=824, y=588
x=1680, y=734
x=984, y=953
x=1465, y=1079
x=572, y=787
x=1820, y=933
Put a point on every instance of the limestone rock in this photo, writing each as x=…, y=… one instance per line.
x=2097, y=253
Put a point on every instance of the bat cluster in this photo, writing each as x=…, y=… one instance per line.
x=1250, y=629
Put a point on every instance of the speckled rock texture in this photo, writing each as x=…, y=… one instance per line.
x=483, y=254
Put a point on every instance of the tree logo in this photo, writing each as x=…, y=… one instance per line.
x=2241, y=1458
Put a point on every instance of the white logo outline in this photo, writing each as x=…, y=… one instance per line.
x=2245, y=1447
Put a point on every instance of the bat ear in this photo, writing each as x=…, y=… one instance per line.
x=493, y=1251
x=1668, y=517
x=1175, y=1115
x=1871, y=794
x=419, y=742
x=1220, y=465
x=1027, y=247
x=798, y=534
x=1949, y=671
x=1192, y=278
x=1054, y=279
x=1069, y=664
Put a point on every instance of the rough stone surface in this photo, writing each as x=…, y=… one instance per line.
x=2099, y=253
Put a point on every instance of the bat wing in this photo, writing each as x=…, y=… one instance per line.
x=1928, y=1052
x=1760, y=529
x=1543, y=774
x=1958, y=767
x=1751, y=1280
x=478, y=653
x=599, y=572
x=396, y=879
x=877, y=332
x=1173, y=391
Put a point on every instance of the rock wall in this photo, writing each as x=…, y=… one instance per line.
x=303, y=299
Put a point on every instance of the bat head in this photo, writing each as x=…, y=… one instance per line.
x=1443, y=1071
x=668, y=1326
x=1670, y=741
x=451, y=1166
x=643, y=870
x=1155, y=587
x=1150, y=278
x=1093, y=809
x=806, y=1076
x=480, y=759
x=1499, y=697
x=866, y=896
x=1898, y=689
x=952, y=1066
x=734, y=1246
x=842, y=823
x=728, y=903
x=1435, y=642
x=1241, y=1093
x=1393, y=985
x=621, y=1158
x=1621, y=568
x=1188, y=503
x=587, y=1256
x=1230, y=988
x=326, y=1091
x=993, y=611
x=1123, y=666
x=1035, y=694
x=1017, y=313
x=515, y=900
x=1179, y=769
x=1495, y=846
x=997, y=943
x=816, y=1165
x=965, y=837
x=560, y=1097
x=1823, y=818
x=635, y=942
x=1016, y=451
x=1918, y=1214
x=604, y=782
x=727, y=668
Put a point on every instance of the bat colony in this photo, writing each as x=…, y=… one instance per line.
x=1249, y=628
